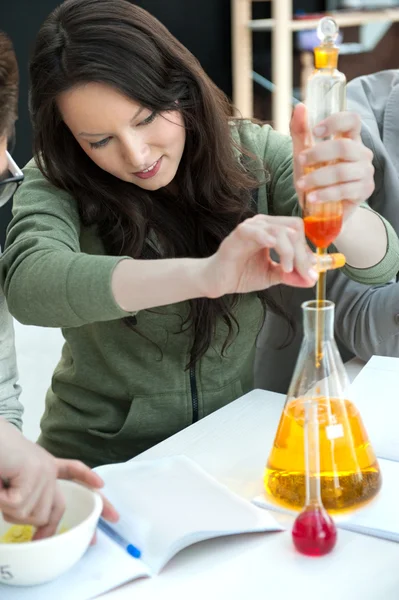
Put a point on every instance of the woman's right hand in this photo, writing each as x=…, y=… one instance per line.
x=243, y=263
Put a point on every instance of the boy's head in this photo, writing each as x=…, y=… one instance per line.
x=8, y=95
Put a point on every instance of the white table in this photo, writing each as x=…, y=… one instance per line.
x=233, y=445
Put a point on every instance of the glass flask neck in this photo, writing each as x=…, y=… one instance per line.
x=312, y=454
x=312, y=311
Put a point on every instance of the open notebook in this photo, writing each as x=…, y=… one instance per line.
x=372, y=395
x=165, y=506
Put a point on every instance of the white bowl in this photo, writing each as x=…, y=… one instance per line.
x=32, y=563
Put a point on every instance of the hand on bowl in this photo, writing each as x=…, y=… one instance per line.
x=29, y=491
x=43, y=560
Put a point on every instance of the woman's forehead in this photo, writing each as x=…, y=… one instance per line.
x=93, y=101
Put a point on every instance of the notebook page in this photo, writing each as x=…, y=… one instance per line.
x=104, y=567
x=380, y=517
x=170, y=503
x=375, y=392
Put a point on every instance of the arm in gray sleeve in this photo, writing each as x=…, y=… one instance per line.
x=366, y=323
x=366, y=318
x=10, y=407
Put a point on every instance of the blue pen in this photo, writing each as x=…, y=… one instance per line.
x=113, y=535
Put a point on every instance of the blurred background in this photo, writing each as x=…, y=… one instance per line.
x=205, y=27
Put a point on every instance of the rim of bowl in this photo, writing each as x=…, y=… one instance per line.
x=98, y=506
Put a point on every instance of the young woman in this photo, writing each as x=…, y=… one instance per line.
x=145, y=224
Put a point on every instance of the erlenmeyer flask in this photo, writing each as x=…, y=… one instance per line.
x=349, y=471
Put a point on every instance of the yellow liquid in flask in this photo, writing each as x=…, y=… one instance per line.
x=349, y=471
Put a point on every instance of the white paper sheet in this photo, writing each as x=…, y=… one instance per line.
x=103, y=567
x=375, y=392
x=171, y=503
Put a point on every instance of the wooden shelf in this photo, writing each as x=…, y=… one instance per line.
x=282, y=25
x=343, y=19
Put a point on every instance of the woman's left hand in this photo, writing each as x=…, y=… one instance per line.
x=349, y=173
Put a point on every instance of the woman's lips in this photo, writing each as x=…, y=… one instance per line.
x=151, y=173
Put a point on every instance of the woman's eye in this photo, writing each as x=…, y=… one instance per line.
x=100, y=144
x=149, y=119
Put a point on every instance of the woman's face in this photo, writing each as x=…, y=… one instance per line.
x=122, y=137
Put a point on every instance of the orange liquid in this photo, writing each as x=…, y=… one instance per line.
x=349, y=472
x=322, y=220
x=322, y=231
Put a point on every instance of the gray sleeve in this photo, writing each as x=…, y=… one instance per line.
x=10, y=407
x=366, y=323
x=366, y=318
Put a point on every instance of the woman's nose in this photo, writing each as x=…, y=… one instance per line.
x=137, y=153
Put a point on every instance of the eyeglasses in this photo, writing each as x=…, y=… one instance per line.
x=10, y=181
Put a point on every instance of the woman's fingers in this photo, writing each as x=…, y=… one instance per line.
x=75, y=469
x=344, y=123
x=334, y=174
x=343, y=181
x=285, y=247
x=286, y=236
x=344, y=149
x=304, y=258
x=353, y=192
x=42, y=510
x=254, y=237
x=259, y=233
x=270, y=221
x=278, y=276
x=19, y=503
x=243, y=264
x=109, y=512
x=56, y=513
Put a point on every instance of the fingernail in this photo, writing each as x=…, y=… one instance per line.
x=313, y=274
x=312, y=197
x=301, y=182
x=289, y=268
x=271, y=240
x=319, y=130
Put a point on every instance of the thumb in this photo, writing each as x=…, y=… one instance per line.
x=78, y=471
x=299, y=127
x=300, y=137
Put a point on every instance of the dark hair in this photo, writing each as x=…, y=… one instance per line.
x=119, y=44
x=8, y=86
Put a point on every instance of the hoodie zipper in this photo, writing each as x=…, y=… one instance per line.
x=194, y=393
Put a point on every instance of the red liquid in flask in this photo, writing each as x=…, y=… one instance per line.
x=314, y=532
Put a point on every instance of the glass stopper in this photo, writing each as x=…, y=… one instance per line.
x=327, y=30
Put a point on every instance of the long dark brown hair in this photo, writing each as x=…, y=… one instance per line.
x=9, y=80
x=119, y=44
